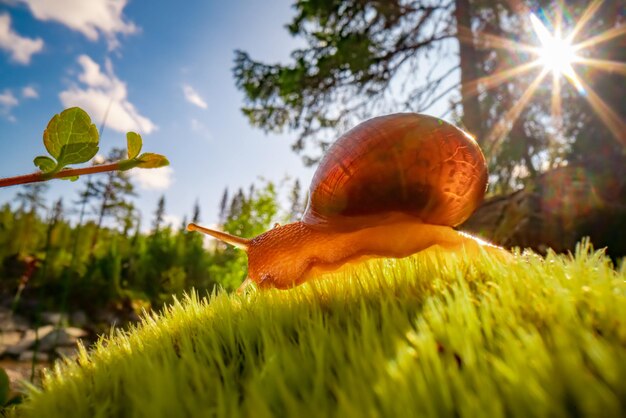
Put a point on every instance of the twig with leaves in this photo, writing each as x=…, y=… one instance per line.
x=71, y=138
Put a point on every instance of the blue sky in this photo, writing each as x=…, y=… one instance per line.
x=166, y=69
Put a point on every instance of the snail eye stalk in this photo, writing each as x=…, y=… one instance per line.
x=233, y=240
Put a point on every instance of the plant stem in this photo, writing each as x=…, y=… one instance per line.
x=71, y=172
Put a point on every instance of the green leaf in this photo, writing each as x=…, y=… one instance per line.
x=72, y=178
x=151, y=160
x=4, y=387
x=45, y=164
x=70, y=137
x=134, y=144
x=77, y=153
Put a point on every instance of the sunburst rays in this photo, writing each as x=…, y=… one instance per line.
x=556, y=53
x=559, y=55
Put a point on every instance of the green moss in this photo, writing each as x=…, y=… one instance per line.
x=431, y=335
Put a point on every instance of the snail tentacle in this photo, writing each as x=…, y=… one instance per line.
x=235, y=241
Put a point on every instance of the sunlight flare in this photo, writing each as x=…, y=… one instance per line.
x=603, y=37
x=606, y=65
x=556, y=53
x=504, y=126
x=496, y=79
x=584, y=18
x=555, y=104
x=607, y=115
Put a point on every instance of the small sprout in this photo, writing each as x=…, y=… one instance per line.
x=45, y=164
x=134, y=144
x=71, y=138
x=145, y=160
x=151, y=160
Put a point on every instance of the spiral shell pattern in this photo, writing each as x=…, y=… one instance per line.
x=404, y=163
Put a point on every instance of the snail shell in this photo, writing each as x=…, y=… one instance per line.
x=404, y=163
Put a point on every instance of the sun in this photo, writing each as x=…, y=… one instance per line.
x=556, y=53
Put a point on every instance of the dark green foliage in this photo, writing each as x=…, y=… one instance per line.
x=158, y=215
x=354, y=51
x=95, y=265
x=104, y=258
x=249, y=215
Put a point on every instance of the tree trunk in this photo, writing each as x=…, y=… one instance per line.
x=558, y=209
x=469, y=69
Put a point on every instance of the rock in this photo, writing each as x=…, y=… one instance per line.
x=107, y=317
x=28, y=340
x=9, y=338
x=53, y=318
x=66, y=352
x=76, y=332
x=14, y=375
x=79, y=319
x=60, y=338
x=12, y=322
x=29, y=355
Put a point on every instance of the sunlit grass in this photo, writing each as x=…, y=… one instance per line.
x=431, y=335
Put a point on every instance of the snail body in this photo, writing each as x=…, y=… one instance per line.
x=390, y=187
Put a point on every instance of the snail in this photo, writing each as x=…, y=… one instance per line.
x=390, y=187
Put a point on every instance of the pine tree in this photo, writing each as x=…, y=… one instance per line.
x=195, y=218
x=113, y=192
x=159, y=214
x=223, y=215
x=296, y=204
x=31, y=197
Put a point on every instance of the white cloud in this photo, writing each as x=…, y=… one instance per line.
x=200, y=128
x=20, y=48
x=7, y=102
x=99, y=159
x=92, y=18
x=93, y=77
x=192, y=96
x=196, y=125
x=105, y=95
x=153, y=178
x=30, y=92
